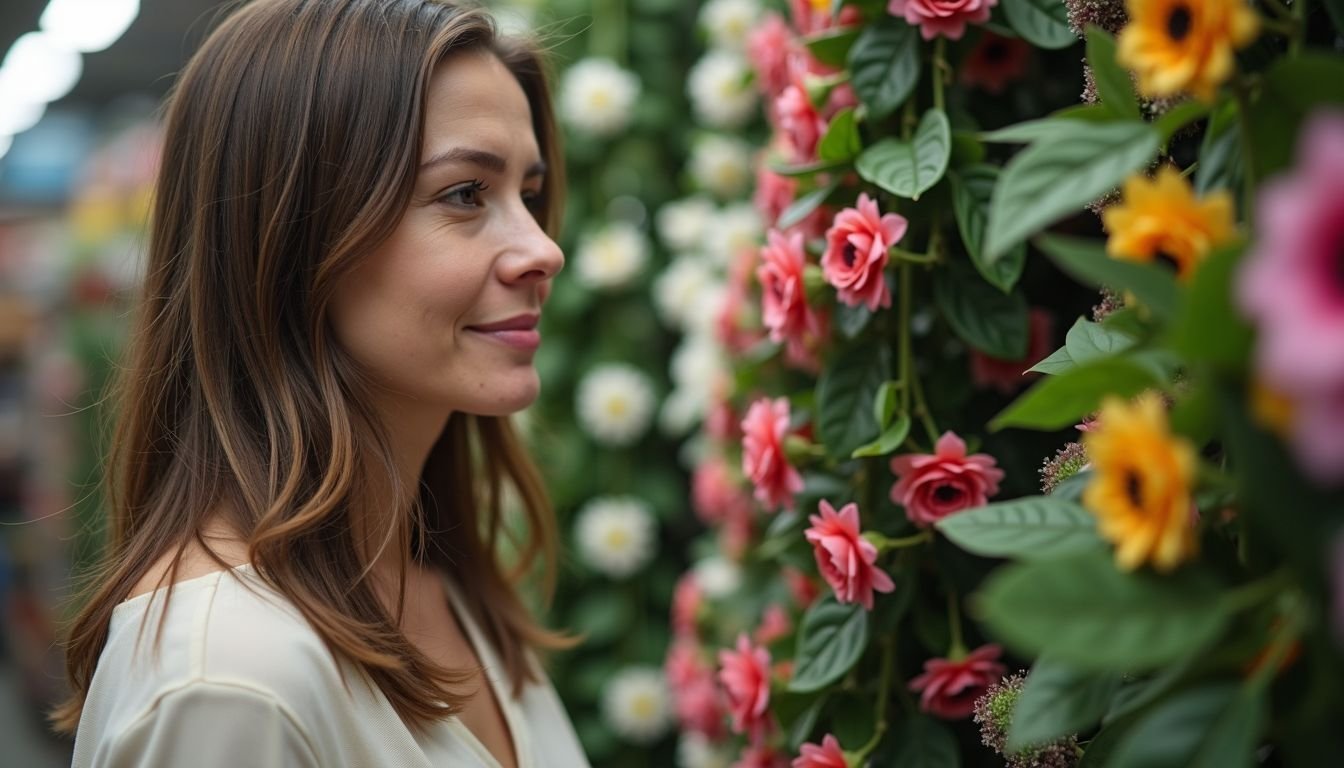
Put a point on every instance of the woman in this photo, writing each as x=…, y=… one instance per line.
x=350, y=245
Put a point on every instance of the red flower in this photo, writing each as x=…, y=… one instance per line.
x=844, y=557
x=828, y=755
x=995, y=61
x=745, y=677
x=856, y=253
x=784, y=308
x=949, y=688
x=1007, y=375
x=763, y=459
x=942, y=17
x=933, y=486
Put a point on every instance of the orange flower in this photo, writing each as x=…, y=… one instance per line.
x=1186, y=46
x=1162, y=220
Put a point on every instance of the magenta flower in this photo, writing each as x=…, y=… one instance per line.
x=763, y=460
x=1292, y=286
x=856, y=253
x=933, y=486
x=784, y=308
x=949, y=688
x=844, y=557
x=942, y=17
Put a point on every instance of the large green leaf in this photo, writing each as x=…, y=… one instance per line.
x=1057, y=700
x=1087, y=262
x=1232, y=741
x=1088, y=341
x=1059, y=361
x=921, y=742
x=891, y=438
x=971, y=191
x=1051, y=179
x=832, y=46
x=1044, y=23
x=830, y=641
x=1087, y=613
x=910, y=168
x=1172, y=734
x=884, y=65
x=1113, y=82
x=803, y=207
x=1220, y=152
x=983, y=316
x=845, y=396
x=1065, y=398
x=1028, y=528
x=1209, y=328
x=841, y=141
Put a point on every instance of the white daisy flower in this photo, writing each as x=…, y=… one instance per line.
x=611, y=257
x=717, y=576
x=729, y=21
x=735, y=228
x=637, y=704
x=722, y=165
x=695, y=750
x=597, y=96
x=615, y=403
x=720, y=88
x=698, y=368
x=616, y=535
x=682, y=223
x=677, y=291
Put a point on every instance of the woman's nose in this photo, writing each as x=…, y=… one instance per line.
x=533, y=255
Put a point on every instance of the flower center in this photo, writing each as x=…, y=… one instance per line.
x=995, y=51
x=947, y=493
x=1162, y=257
x=1178, y=23
x=1134, y=489
x=848, y=254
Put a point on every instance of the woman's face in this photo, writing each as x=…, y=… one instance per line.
x=444, y=313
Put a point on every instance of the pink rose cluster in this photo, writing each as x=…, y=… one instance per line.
x=744, y=673
x=933, y=486
x=846, y=559
x=942, y=17
x=784, y=306
x=763, y=459
x=1292, y=286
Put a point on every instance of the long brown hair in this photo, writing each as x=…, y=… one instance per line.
x=292, y=144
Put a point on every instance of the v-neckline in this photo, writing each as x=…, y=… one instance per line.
x=489, y=665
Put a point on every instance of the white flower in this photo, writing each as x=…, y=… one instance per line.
x=637, y=704
x=735, y=228
x=698, y=369
x=720, y=88
x=597, y=96
x=615, y=404
x=695, y=750
x=717, y=576
x=722, y=165
x=677, y=291
x=729, y=21
x=611, y=257
x=616, y=535
x=682, y=223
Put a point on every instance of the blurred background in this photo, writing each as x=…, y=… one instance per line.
x=658, y=109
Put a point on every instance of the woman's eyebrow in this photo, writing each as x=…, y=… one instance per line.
x=479, y=157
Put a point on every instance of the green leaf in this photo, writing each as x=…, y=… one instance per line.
x=1232, y=740
x=832, y=46
x=884, y=65
x=1088, y=341
x=804, y=206
x=1169, y=735
x=841, y=142
x=1051, y=179
x=910, y=168
x=830, y=641
x=1087, y=613
x=1058, y=700
x=1029, y=528
x=800, y=730
x=884, y=403
x=852, y=320
x=845, y=396
x=972, y=189
x=1209, y=328
x=1220, y=152
x=1293, y=87
x=1178, y=117
x=1087, y=262
x=1062, y=400
x=921, y=742
x=1059, y=361
x=1044, y=129
x=1113, y=83
x=889, y=441
x=983, y=316
x=1044, y=23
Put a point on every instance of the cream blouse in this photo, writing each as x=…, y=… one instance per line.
x=241, y=680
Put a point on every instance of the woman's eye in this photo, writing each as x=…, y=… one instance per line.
x=466, y=195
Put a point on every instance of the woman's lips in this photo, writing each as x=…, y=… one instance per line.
x=519, y=332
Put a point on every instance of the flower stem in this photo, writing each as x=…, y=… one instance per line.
x=904, y=336
x=958, y=645
x=939, y=71
x=900, y=254
x=885, y=544
x=1243, y=97
x=883, y=697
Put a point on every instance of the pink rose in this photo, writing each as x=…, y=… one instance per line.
x=799, y=122
x=683, y=664
x=802, y=589
x=845, y=558
x=768, y=47
x=1008, y=375
x=933, y=486
x=774, y=625
x=856, y=253
x=761, y=756
x=784, y=308
x=715, y=494
x=949, y=688
x=942, y=17
x=744, y=674
x=686, y=600
x=828, y=755
x=763, y=458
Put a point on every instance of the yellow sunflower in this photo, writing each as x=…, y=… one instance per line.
x=1140, y=490
x=1186, y=46
x=1162, y=220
